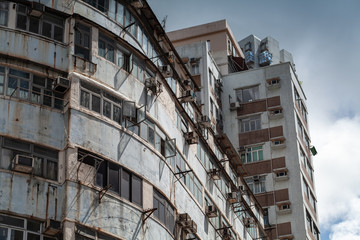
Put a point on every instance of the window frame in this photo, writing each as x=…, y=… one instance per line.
x=45, y=18
x=5, y=143
x=249, y=124
x=4, y=9
x=252, y=91
x=248, y=155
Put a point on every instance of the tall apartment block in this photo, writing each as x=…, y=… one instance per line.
x=263, y=115
x=102, y=131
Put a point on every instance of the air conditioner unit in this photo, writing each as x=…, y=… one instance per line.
x=193, y=60
x=232, y=197
x=137, y=4
x=215, y=174
x=211, y=211
x=23, y=163
x=242, y=188
x=234, y=105
x=190, y=227
x=189, y=85
x=61, y=85
x=226, y=234
x=248, y=222
x=166, y=71
x=153, y=85
x=51, y=227
x=182, y=218
x=188, y=96
x=256, y=178
x=37, y=9
x=219, y=83
x=191, y=137
x=204, y=121
x=171, y=56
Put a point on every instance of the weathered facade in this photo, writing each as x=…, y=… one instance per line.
x=263, y=113
x=100, y=133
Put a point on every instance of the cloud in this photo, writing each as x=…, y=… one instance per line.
x=349, y=228
x=337, y=175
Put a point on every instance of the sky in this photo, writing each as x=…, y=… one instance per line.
x=324, y=39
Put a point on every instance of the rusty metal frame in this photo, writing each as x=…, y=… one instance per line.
x=149, y=211
x=103, y=191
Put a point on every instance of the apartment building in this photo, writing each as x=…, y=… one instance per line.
x=101, y=136
x=264, y=117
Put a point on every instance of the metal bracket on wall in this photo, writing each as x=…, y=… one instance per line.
x=103, y=191
x=148, y=212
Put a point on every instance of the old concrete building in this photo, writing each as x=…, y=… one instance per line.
x=264, y=115
x=101, y=136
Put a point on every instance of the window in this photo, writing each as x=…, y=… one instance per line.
x=123, y=182
x=250, y=124
x=195, y=67
x=98, y=4
x=2, y=78
x=84, y=233
x=4, y=9
x=101, y=102
x=248, y=46
x=165, y=213
x=47, y=25
x=106, y=48
x=256, y=184
x=252, y=154
x=245, y=95
x=45, y=160
x=172, y=83
x=309, y=221
x=82, y=41
x=124, y=60
x=20, y=228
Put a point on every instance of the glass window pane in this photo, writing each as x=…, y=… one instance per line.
x=125, y=184
x=3, y=233
x=47, y=98
x=12, y=85
x=85, y=99
x=38, y=166
x=24, y=89
x=33, y=226
x=16, y=235
x=101, y=48
x=21, y=22
x=32, y=236
x=116, y=114
x=114, y=177
x=151, y=136
x=11, y=221
x=136, y=190
x=261, y=155
x=58, y=33
x=120, y=13
x=95, y=104
x=2, y=84
x=110, y=53
x=52, y=169
x=101, y=176
x=34, y=25
x=46, y=29
x=107, y=109
x=36, y=95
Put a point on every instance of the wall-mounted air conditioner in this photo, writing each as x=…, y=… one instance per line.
x=61, y=85
x=235, y=105
x=37, y=9
x=191, y=137
x=51, y=227
x=211, y=211
x=23, y=163
x=190, y=227
x=166, y=71
x=232, y=197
